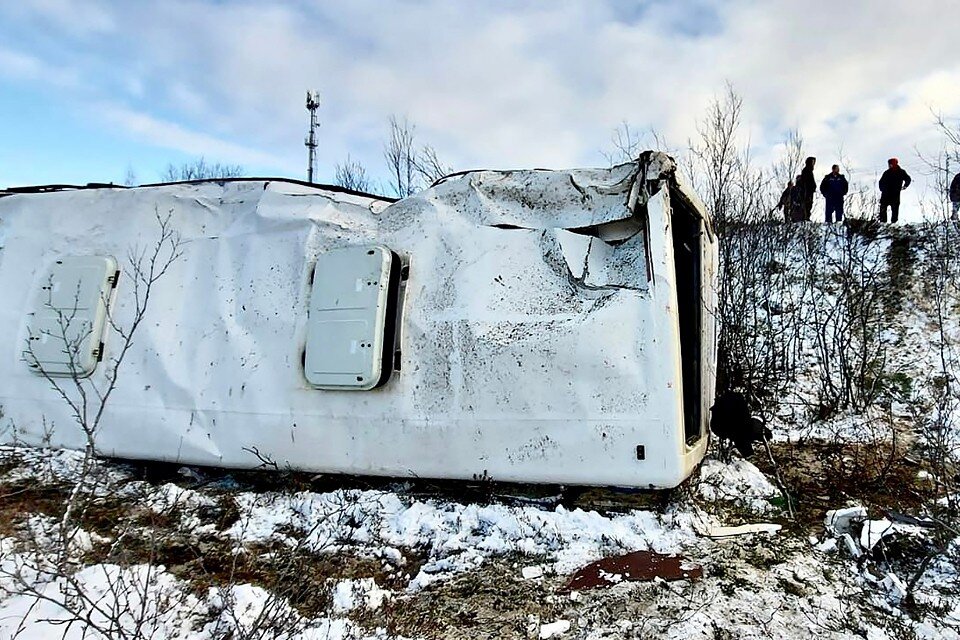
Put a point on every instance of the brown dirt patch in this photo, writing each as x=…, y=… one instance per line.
x=821, y=476
x=490, y=602
x=20, y=500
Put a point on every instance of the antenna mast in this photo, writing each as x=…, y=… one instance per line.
x=313, y=103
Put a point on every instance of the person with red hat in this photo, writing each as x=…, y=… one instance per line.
x=892, y=182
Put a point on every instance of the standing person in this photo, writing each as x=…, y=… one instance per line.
x=955, y=196
x=892, y=182
x=786, y=202
x=797, y=199
x=808, y=186
x=834, y=187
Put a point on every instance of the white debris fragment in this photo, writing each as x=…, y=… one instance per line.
x=612, y=578
x=554, y=629
x=840, y=521
x=873, y=531
x=851, y=546
x=895, y=587
x=829, y=545
x=742, y=530
x=532, y=573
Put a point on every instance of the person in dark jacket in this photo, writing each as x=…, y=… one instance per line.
x=955, y=196
x=786, y=202
x=808, y=186
x=892, y=182
x=797, y=199
x=834, y=187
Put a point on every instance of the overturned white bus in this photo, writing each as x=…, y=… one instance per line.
x=530, y=326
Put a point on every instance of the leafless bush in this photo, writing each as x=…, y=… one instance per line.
x=87, y=399
x=352, y=175
x=851, y=313
x=627, y=142
x=411, y=168
x=940, y=167
x=200, y=169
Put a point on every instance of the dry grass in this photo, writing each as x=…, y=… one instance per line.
x=822, y=476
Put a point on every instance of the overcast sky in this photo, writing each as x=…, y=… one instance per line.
x=90, y=88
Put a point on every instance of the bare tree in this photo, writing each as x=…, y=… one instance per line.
x=130, y=178
x=400, y=156
x=411, y=169
x=627, y=143
x=200, y=169
x=429, y=166
x=352, y=175
x=788, y=164
x=945, y=163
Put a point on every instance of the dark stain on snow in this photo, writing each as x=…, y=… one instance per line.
x=638, y=566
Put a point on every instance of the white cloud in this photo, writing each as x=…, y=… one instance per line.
x=20, y=66
x=173, y=136
x=503, y=84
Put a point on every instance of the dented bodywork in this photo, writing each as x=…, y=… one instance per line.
x=539, y=336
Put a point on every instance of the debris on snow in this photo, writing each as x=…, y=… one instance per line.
x=719, y=533
x=851, y=546
x=532, y=573
x=875, y=530
x=895, y=587
x=841, y=521
x=905, y=518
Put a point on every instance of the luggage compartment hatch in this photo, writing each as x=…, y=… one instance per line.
x=65, y=326
x=351, y=328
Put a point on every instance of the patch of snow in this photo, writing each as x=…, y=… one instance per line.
x=739, y=482
x=455, y=537
x=348, y=595
x=554, y=629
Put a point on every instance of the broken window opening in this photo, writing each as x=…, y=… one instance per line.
x=688, y=270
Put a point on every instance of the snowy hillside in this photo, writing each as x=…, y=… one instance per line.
x=843, y=338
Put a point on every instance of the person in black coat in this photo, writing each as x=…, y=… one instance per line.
x=834, y=187
x=786, y=202
x=808, y=186
x=955, y=195
x=892, y=182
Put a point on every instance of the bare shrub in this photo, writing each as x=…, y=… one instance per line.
x=352, y=175
x=411, y=168
x=200, y=169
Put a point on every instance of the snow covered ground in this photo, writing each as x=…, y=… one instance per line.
x=419, y=554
